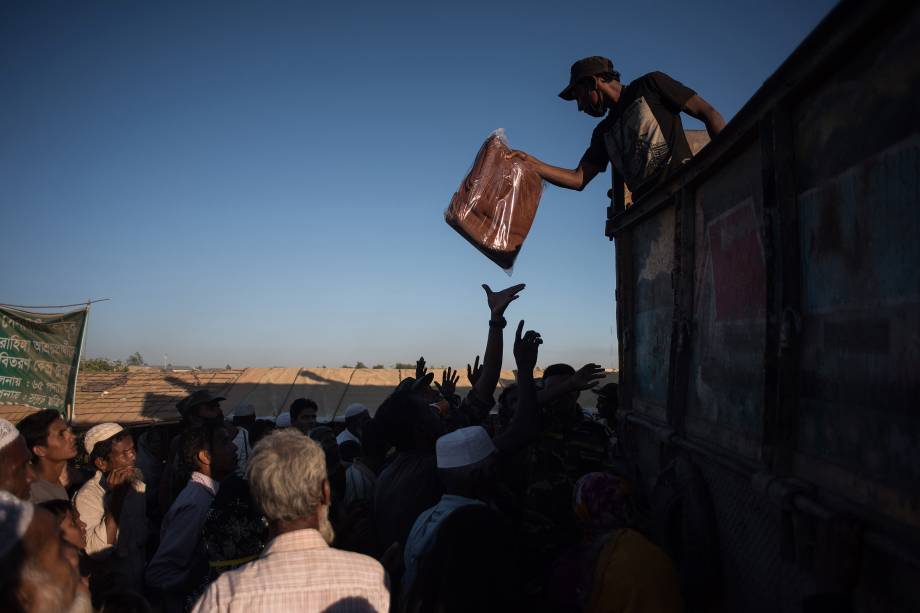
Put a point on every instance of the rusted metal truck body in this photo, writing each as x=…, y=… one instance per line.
x=768, y=314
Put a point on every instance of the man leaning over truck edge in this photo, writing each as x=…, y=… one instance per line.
x=641, y=136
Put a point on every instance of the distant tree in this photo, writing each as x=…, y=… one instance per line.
x=378, y=366
x=360, y=365
x=345, y=366
x=228, y=367
x=323, y=366
x=136, y=359
x=404, y=366
x=199, y=367
x=103, y=365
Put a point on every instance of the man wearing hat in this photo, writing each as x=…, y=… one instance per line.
x=641, y=134
x=16, y=475
x=466, y=459
x=113, y=506
x=355, y=417
x=197, y=408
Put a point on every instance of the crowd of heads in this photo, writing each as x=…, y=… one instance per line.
x=444, y=501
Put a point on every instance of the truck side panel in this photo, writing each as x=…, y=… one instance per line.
x=726, y=377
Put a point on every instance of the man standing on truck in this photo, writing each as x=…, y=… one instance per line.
x=641, y=135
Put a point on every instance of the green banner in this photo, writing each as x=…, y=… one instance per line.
x=39, y=356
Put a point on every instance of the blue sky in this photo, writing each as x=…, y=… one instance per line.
x=263, y=184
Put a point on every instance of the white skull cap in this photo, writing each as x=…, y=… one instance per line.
x=99, y=433
x=355, y=409
x=15, y=518
x=8, y=433
x=464, y=447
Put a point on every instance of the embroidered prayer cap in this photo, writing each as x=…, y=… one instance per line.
x=464, y=447
x=99, y=433
x=8, y=433
x=15, y=518
x=355, y=409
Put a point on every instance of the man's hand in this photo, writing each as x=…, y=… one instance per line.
x=420, y=370
x=499, y=301
x=120, y=476
x=517, y=154
x=526, y=348
x=473, y=372
x=448, y=384
x=585, y=377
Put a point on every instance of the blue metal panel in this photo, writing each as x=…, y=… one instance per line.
x=860, y=246
x=653, y=242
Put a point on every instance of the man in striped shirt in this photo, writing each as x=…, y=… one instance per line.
x=297, y=571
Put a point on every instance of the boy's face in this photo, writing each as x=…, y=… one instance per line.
x=73, y=530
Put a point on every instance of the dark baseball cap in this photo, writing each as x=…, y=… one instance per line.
x=586, y=67
x=195, y=399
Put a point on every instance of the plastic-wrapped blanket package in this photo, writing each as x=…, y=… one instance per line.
x=496, y=203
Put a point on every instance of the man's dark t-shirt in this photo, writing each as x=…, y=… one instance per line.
x=642, y=135
x=405, y=488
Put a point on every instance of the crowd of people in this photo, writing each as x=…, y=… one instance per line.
x=431, y=502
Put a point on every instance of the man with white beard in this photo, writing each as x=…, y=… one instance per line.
x=35, y=570
x=297, y=570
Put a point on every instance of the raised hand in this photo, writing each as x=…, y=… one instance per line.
x=448, y=384
x=499, y=301
x=526, y=348
x=586, y=377
x=420, y=370
x=517, y=154
x=473, y=372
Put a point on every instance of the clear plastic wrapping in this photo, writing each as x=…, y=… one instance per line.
x=496, y=203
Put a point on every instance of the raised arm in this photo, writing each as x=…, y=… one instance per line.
x=698, y=108
x=576, y=178
x=584, y=378
x=484, y=387
x=523, y=425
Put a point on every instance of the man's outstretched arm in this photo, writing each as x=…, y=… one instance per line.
x=575, y=179
x=487, y=380
x=698, y=108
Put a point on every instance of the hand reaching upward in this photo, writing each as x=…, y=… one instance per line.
x=473, y=372
x=526, y=348
x=499, y=301
x=448, y=384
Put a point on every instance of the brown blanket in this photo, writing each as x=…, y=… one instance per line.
x=496, y=203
